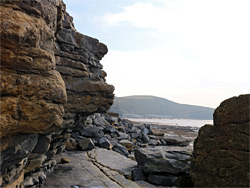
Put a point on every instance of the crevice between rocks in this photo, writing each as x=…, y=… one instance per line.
x=94, y=174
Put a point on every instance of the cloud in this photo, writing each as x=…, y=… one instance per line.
x=207, y=56
x=193, y=18
x=143, y=15
x=165, y=73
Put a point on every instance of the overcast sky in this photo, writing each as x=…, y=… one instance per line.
x=188, y=51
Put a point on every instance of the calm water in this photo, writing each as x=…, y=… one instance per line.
x=179, y=122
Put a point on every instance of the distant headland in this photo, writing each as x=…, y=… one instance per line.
x=145, y=106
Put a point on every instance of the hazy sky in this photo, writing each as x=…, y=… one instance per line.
x=188, y=51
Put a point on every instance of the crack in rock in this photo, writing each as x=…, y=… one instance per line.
x=101, y=168
x=120, y=176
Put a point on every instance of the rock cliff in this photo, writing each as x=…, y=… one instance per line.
x=221, y=152
x=51, y=80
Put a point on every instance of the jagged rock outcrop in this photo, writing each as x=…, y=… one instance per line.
x=221, y=151
x=51, y=79
x=78, y=60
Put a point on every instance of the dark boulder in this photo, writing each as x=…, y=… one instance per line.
x=138, y=174
x=86, y=144
x=172, y=160
x=105, y=143
x=121, y=149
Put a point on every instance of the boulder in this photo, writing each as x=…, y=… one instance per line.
x=86, y=144
x=105, y=143
x=36, y=163
x=109, y=130
x=158, y=132
x=175, y=140
x=171, y=160
x=145, y=138
x=111, y=120
x=91, y=131
x=133, y=130
x=120, y=149
x=221, y=151
x=135, y=135
x=128, y=144
x=123, y=136
x=138, y=174
x=145, y=131
x=99, y=121
x=71, y=144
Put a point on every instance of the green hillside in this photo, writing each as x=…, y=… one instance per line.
x=151, y=106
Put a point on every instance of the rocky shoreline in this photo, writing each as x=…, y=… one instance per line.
x=53, y=99
x=143, y=153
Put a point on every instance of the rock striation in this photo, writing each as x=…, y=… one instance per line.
x=221, y=151
x=32, y=91
x=51, y=80
x=78, y=61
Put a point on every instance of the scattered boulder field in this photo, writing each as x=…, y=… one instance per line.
x=130, y=154
x=149, y=155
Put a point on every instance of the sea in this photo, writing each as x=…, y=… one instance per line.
x=174, y=122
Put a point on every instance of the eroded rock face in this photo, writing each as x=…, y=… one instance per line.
x=51, y=79
x=78, y=60
x=221, y=152
x=32, y=91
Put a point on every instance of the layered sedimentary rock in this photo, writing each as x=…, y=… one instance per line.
x=32, y=91
x=221, y=151
x=51, y=79
x=78, y=60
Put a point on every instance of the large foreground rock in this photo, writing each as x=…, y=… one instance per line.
x=167, y=166
x=221, y=151
x=172, y=160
